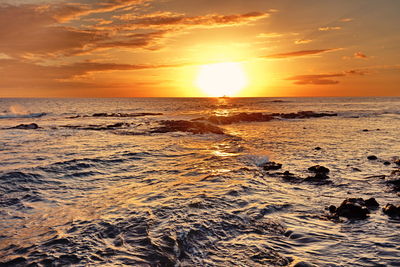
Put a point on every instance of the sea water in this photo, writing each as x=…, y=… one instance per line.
x=80, y=191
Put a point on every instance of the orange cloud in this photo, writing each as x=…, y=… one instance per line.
x=324, y=79
x=360, y=55
x=317, y=79
x=303, y=41
x=301, y=53
x=335, y=28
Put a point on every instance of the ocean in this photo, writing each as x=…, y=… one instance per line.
x=189, y=181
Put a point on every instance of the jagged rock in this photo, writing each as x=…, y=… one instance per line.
x=187, y=126
x=30, y=126
x=269, y=166
x=391, y=210
x=354, y=208
x=372, y=157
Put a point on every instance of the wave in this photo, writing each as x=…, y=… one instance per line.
x=21, y=116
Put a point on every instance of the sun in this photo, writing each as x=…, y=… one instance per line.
x=221, y=79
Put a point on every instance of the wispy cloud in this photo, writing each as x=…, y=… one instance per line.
x=301, y=53
x=324, y=79
x=334, y=28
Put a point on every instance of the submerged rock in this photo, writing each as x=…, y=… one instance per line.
x=393, y=180
x=319, y=169
x=391, y=210
x=354, y=208
x=30, y=126
x=269, y=166
x=187, y=126
x=320, y=175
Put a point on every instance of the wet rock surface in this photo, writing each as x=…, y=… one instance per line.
x=320, y=175
x=392, y=210
x=30, y=126
x=262, y=117
x=187, y=126
x=354, y=208
x=269, y=166
x=118, y=115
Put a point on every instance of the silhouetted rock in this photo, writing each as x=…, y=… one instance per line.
x=303, y=264
x=319, y=169
x=269, y=166
x=261, y=117
x=372, y=157
x=391, y=210
x=305, y=115
x=30, y=126
x=126, y=115
x=351, y=208
x=187, y=126
x=394, y=180
x=371, y=203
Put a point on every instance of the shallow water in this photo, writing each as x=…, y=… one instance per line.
x=124, y=196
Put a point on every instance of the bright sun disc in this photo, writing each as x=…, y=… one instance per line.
x=221, y=79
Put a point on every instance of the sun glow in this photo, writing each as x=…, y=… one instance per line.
x=221, y=79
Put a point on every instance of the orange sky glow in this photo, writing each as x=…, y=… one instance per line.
x=150, y=48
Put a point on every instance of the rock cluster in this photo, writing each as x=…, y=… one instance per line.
x=354, y=208
x=187, y=126
x=261, y=117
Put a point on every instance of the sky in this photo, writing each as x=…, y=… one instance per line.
x=156, y=48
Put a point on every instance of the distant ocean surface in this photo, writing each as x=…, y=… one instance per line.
x=183, y=182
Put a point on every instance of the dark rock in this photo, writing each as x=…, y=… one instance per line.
x=317, y=148
x=303, y=264
x=372, y=157
x=352, y=208
x=397, y=162
x=126, y=115
x=365, y=130
x=187, y=126
x=269, y=166
x=30, y=126
x=332, y=208
x=261, y=117
x=371, y=203
x=394, y=180
x=391, y=210
x=318, y=178
x=356, y=169
x=318, y=169
x=386, y=163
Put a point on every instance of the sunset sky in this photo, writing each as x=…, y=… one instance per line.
x=134, y=48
